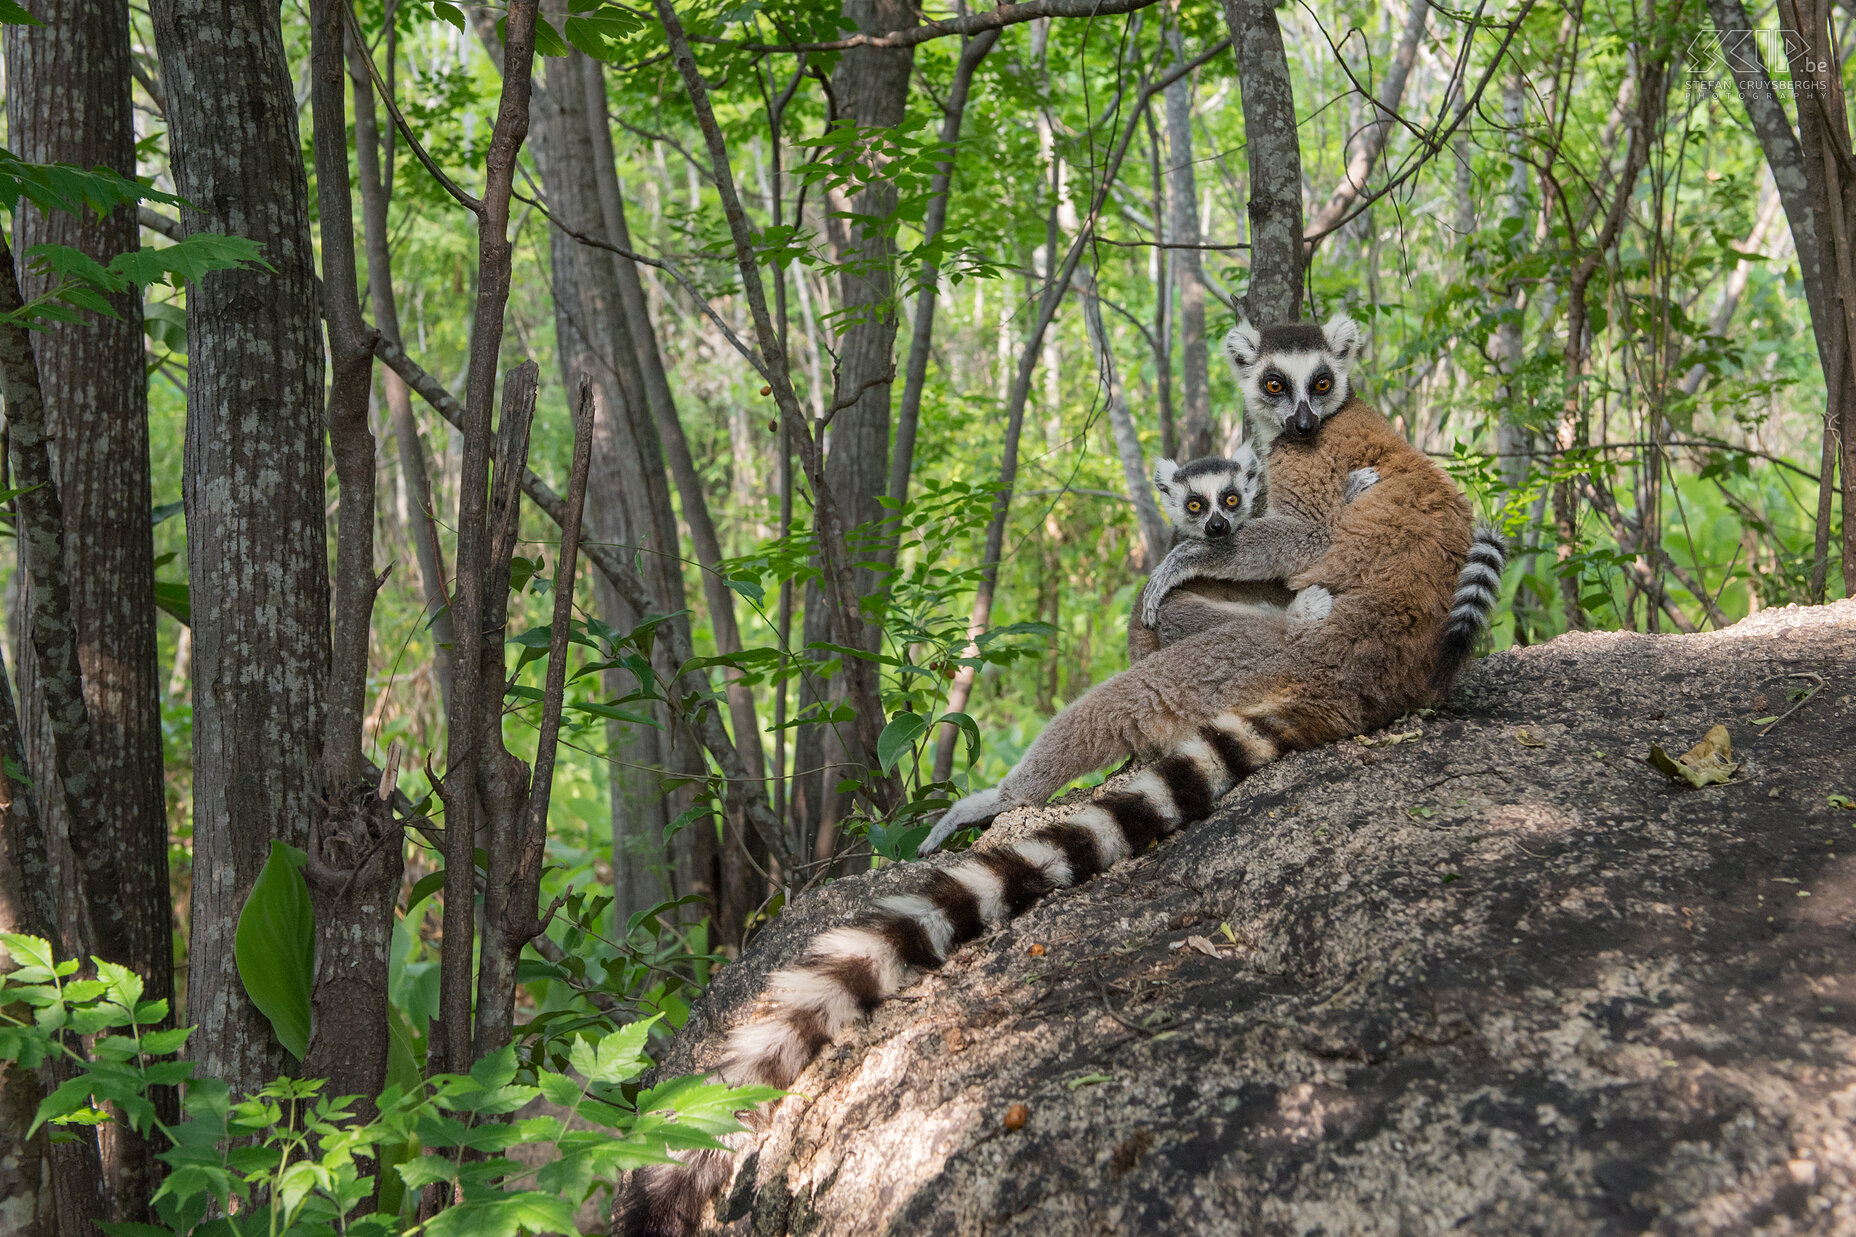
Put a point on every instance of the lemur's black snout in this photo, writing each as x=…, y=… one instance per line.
x=1303, y=423
x=1217, y=526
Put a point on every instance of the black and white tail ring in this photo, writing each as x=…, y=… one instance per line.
x=850, y=970
x=1478, y=589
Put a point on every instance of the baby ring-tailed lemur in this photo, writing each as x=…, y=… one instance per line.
x=1211, y=710
x=1206, y=500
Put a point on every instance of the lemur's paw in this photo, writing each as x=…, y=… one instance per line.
x=1312, y=604
x=1150, y=607
x=1359, y=481
x=976, y=809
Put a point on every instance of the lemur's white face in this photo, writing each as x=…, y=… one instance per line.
x=1293, y=377
x=1209, y=497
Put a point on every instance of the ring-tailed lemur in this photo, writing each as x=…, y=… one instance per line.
x=1212, y=709
x=1205, y=500
x=1389, y=559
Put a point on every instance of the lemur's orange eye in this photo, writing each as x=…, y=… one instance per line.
x=1230, y=500
x=1322, y=385
x=1195, y=506
x=1273, y=386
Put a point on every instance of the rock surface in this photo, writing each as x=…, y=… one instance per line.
x=1489, y=974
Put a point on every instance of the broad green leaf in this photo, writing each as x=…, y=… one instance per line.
x=428, y=885
x=548, y=41
x=897, y=738
x=174, y=598
x=275, y=946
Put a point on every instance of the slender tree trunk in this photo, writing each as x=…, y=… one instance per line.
x=871, y=86
x=960, y=691
x=1824, y=135
x=1372, y=141
x=745, y=791
x=354, y=860
x=256, y=533
x=1197, y=434
x=631, y=506
x=471, y=758
x=68, y=101
x=375, y=196
x=954, y=109
x=1155, y=532
x=773, y=365
x=46, y=1189
x=1162, y=336
x=1574, y=426
x=741, y=887
x=1274, y=153
x=1785, y=156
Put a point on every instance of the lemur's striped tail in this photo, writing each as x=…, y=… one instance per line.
x=1478, y=588
x=849, y=971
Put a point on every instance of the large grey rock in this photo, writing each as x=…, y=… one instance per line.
x=1498, y=977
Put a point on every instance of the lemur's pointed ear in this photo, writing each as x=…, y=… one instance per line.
x=1244, y=344
x=1245, y=457
x=1163, y=475
x=1344, y=338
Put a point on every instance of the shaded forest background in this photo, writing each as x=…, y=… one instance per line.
x=858, y=330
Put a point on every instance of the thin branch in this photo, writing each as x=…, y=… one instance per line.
x=702, y=302
x=469, y=203
x=155, y=221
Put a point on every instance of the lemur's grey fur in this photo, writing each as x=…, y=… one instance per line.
x=1208, y=499
x=1290, y=387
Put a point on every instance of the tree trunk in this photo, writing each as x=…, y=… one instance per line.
x=1652, y=64
x=253, y=484
x=1372, y=141
x=1510, y=1018
x=1785, y=156
x=741, y=889
x=68, y=101
x=1156, y=534
x=871, y=86
x=1274, y=153
x=376, y=193
x=1197, y=435
x=902, y=459
x=473, y=779
x=960, y=691
x=631, y=503
x=1824, y=136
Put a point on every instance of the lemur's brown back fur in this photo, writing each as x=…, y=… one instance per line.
x=1392, y=564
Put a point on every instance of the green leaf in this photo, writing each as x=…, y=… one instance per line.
x=548, y=41
x=747, y=587
x=160, y=1043
x=898, y=737
x=164, y=512
x=275, y=946
x=11, y=14
x=174, y=598
x=428, y=885
x=967, y=727
x=166, y=325
x=501, y=1214
x=448, y=12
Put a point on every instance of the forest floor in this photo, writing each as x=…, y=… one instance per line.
x=1487, y=971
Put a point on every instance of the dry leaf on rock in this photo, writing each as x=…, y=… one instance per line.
x=1709, y=763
